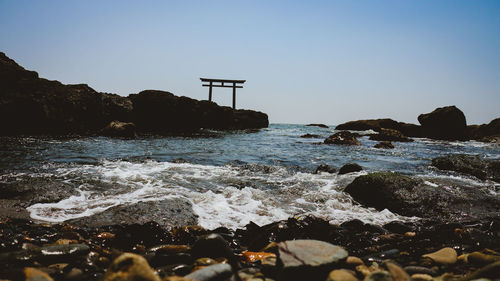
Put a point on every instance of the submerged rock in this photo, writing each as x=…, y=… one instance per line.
x=384, y=145
x=318, y=125
x=311, y=136
x=447, y=123
x=325, y=168
x=342, y=138
x=469, y=164
x=350, y=168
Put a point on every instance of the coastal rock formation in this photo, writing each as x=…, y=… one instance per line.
x=33, y=105
x=469, y=164
x=325, y=168
x=486, y=132
x=120, y=129
x=410, y=196
x=342, y=138
x=447, y=123
x=390, y=135
x=407, y=129
x=350, y=168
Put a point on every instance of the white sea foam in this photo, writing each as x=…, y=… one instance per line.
x=221, y=195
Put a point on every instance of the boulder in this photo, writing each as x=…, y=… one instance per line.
x=390, y=135
x=325, y=168
x=342, y=138
x=350, y=168
x=166, y=212
x=120, y=129
x=409, y=196
x=469, y=164
x=407, y=129
x=445, y=123
x=384, y=145
x=318, y=125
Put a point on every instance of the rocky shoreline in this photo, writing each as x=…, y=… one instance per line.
x=30, y=105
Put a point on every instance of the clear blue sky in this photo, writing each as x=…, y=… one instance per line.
x=304, y=61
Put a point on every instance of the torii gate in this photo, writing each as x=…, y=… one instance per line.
x=222, y=81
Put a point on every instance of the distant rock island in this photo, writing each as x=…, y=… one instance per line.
x=30, y=105
x=444, y=123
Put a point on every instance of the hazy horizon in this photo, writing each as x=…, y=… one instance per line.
x=305, y=62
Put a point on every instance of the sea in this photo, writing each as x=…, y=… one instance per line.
x=230, y=178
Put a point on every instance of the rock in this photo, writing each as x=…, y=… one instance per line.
x=482, y=259
x=350, y=168
x=325, y=168
x=492, y=270
x=64, y=252
x=120, y=129
x=485, y=132
x=341, y=275
x=33, y=274
x=212, y=246
x=167, y=212
x=379, y=276
x=311, y=136
x=410, y=196
x=443, y=256
x=420, y=269
x=397, y=273
x=390, y=135
x=342, y=138
x=300, y=258
x=468, y=164
x=211, y=273
x=411, y=130
x=130, y=267
x=446, y=123
x=421, y=277
x=384, y=145
x=74, y=274
x=354, y=261
x=256, y=256
x=318, y=125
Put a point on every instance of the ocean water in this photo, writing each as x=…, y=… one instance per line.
x=231, y=178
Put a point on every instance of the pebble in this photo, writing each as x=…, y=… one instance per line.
x=481, y=259
x=130, y=267
x=204, y=262
x=341, y=275
x=296, y=253
x=397, y=273
x=354, y=261
x=33, y=274
x=365, y=270
x=492, y=270
x=74, y=274
x=256, y=256
x=443, y=256
x=214, y=272
x=212, y=246
x=379, y=276
x=420, y=269
x=421, y=277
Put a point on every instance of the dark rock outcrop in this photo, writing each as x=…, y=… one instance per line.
x=468, y=164
x=410, y=196
x=318, y=125
x=407, y=129
x=390, y=135
x=167, y=213
x=384, y=145
x=342, y=138
x=325, y=168
x=446, y=123
x=31, y=105
x=350, y=168
x=120, y=129
x=486, y=132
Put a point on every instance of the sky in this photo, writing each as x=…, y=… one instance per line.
x=304, y=61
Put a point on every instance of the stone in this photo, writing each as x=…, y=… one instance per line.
x=407, y=129
x=354, y=261
x=390, y=135
x=384, y=145
x=492, y=270
x=379, y=276
x=342, y=138
x=325, y=168
x=350, y=168
x=74, y=274
x=421, y=277
x=444, y=256
x=120, y=129
x=318, y=125
x=212, y=246
x=33, y=274
x=446, y=123
x=420, y=269
x=204, y=262
x=300, y=258
x=341, y=275
x=256, y=256
x=63, y=253
x=397, y=273
x=130, y=267
x=481, y=258
x=214, y=272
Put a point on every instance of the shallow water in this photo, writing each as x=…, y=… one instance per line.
x=231, y=178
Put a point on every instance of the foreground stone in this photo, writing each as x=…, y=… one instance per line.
x=130, y=267
x=350, y=168
x=469, y=164
x=447, y=123
x=342, y=138
x=301, y=259
x=212, y=272
x=444, y=256
x=325, y=168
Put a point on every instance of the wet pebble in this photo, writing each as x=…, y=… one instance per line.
x=444, y=256
x=214, y=272
x=130, y=267
x=342, y=275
